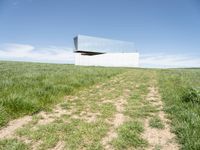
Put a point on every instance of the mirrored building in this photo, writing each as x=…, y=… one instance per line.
x=94, y=51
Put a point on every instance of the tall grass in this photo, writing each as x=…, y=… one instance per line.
x=26, y=88
x=180, y=92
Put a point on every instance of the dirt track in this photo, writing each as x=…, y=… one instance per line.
x=105, y=102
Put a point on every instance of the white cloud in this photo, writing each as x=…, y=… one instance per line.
x=22, y=52
x=169, y=60
x=55, y=54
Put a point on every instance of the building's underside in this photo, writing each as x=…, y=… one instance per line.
x=88, y=53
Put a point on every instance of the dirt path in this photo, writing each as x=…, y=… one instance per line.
x=91, y=118
x=45, y=118
x=158, y=138
x=9, y=130
x=117, y=120
x=112, y=93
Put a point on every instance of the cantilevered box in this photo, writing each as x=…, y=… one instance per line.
x=94, y=51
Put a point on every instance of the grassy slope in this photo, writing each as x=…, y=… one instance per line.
x=26, y=88
x=29, y=87
x=185, y=114
x=77, y=133
x=137, y=109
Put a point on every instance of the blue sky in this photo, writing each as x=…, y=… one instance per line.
x=166, y=32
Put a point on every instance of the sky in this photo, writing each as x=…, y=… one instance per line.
x=165, y=32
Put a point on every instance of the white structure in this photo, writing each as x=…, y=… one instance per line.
x=92, y=51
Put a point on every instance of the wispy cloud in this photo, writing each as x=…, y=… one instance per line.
x=23, y=52
x=55, y=54
x=162, y=60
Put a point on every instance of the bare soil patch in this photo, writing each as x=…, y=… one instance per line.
x=118, y=119
x=162, y=138
x=9, y=130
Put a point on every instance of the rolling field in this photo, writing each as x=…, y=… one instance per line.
x=48, y=106
x=27, y=88
x=180, y=91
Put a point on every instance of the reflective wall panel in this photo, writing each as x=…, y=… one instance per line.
x=95, y=44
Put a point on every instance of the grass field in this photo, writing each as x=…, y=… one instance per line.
x=99, y=108
x=180, y=89
x=26, y=88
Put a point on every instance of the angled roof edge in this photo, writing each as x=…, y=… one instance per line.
x=100, y=44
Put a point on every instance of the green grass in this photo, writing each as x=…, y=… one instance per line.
x=30, y=87
x=155, y=122
x=137, y=108
x=182, y=104
x=12, y=144
x=129, y=136
x=76, y=134
x=27, y=88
